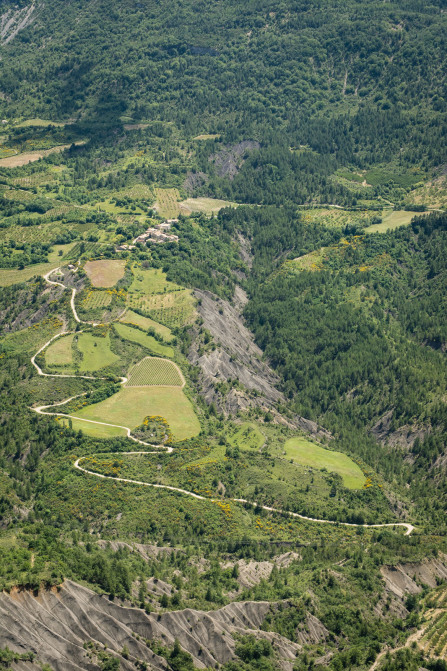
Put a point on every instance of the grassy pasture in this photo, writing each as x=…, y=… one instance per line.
x=390, y=220
x=247, y=436
x=150, y=281
x=106, y=273
x=147, y=341
x=145, y=323
x=112, y=208
x=96, y=352
x=309, y=454
x=154, y=371
x=40, y=122
x=131, y=405
x=60, y=352
x=93, y=430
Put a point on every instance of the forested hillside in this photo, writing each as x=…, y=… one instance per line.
x=223, y=335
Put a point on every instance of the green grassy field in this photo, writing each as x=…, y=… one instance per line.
x=93, y=430
x=39, y=122
x=96, y=352
x=154, y=371
x=247, y=436
x=146, y=323
x=309, y=454
x=147, y=341
x=148, y=281
x=112, y=208
x=392, y=219
x=131, y=405
x=60, y=352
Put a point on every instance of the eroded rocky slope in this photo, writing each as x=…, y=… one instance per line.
x=56, y=623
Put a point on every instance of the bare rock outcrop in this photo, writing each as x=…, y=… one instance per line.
x=237, y=357
x=14, y=20
x=229, y=160
x=312, y=631
x=56, y=623
x=403, y=437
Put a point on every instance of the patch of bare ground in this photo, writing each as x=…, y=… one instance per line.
x=402, y=580
x=251, y=572
x=245, y=250
x=193, y=181
x=236, y=357
x=230, y=159
x=312, y=631
x=145, y=551
x=56, y=623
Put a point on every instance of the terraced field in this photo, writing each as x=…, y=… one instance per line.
x=96, y=299
x=154, y=371
x=434, y=640
x=147, y=341
x=133, y=319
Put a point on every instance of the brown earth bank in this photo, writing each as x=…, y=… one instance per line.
x=56, y=623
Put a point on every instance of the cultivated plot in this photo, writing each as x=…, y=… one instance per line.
x=147, y=341
x=96, y=299
x=131, y=405
x=134, y=319
x=105, y=273
x=154, y=371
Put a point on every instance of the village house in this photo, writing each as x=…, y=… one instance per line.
x=157, y=233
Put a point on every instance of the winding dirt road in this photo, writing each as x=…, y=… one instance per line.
x=42, y=411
